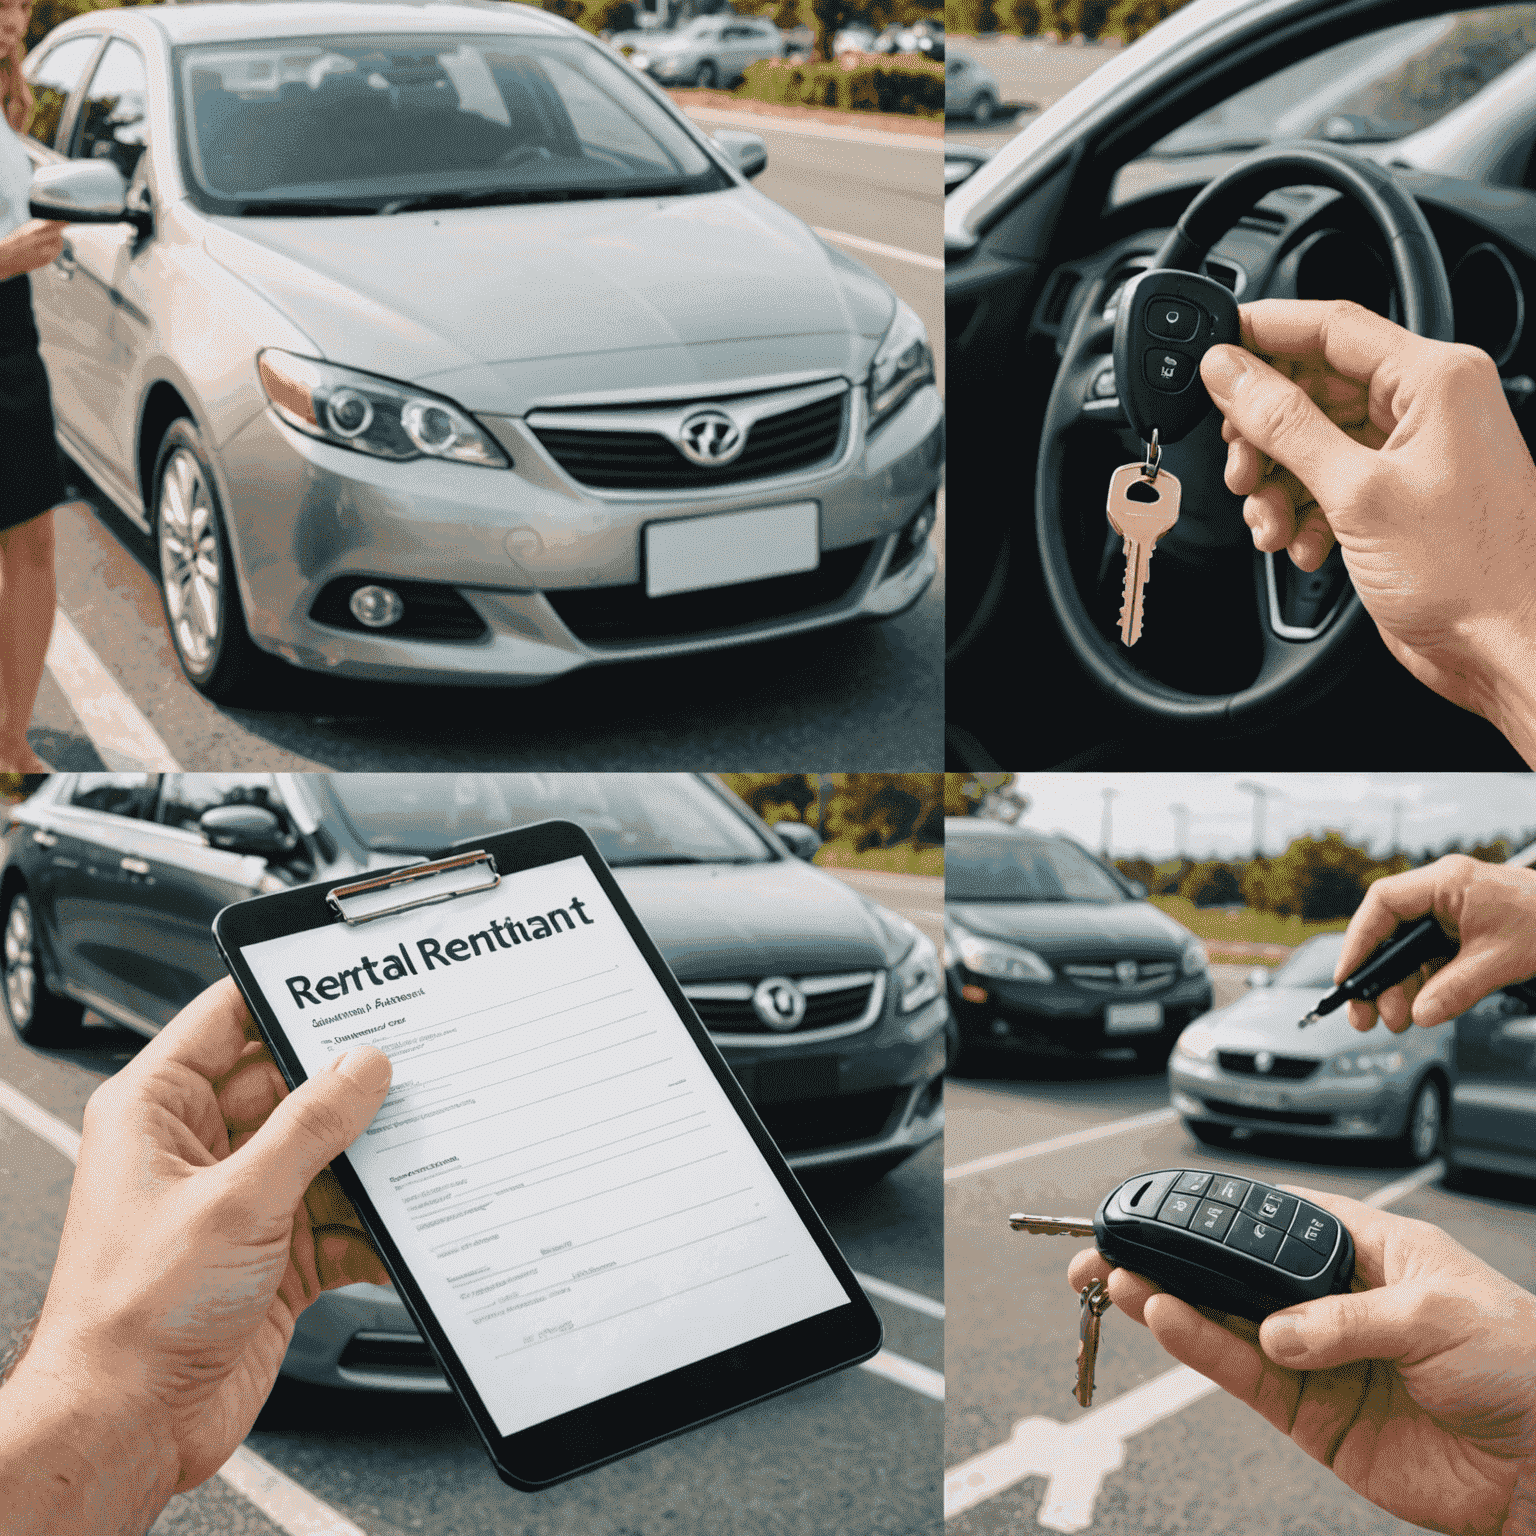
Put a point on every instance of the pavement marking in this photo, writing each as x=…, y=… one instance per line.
x=900, y=1295
x=121, y=735
x=876, y=248
x=284, y=1502
x=908, y=1373
x=760, y=121
x=1059, y=1143
x=1076, y=1457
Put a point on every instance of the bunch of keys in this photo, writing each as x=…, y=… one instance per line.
x=1213, y=1239
x=1165, y=321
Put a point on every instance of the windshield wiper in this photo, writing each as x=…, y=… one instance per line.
x=676, y=858
x=286, y=206
x=509, y=195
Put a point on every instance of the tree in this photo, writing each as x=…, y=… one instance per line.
x=1211, y=883
x=965, y=794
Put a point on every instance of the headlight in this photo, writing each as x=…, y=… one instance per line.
x=372, y=415
x=1353, y=1063
x=1197, y=1042
x=640, y=60
x=1195, y=958
x=917, y=977
x=903, y=362
x=991, y=957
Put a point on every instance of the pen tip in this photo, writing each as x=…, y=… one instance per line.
x=1311, y=1018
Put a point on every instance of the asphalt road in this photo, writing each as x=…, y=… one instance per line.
x=1170, y=1458
x=1031, y=76
x=858, y=1454
x=859, y=694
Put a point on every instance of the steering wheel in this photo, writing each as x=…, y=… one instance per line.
x=1298, y=661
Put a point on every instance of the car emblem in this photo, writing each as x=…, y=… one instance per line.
x=779, y=1003
x=1126, y=972
x=1263, y=1061
x=710, y=438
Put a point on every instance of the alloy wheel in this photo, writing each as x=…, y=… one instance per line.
x=191, y=563
x=1426, y=1123
x=20, y=963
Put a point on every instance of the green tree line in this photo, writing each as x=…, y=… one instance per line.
x=1125, y=19
x=863, y=810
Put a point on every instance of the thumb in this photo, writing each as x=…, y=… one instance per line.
x=1279, y=419
x=322, y=1117
x=1383, y=1324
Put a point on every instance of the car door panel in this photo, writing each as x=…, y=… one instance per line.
x=1494, y=1103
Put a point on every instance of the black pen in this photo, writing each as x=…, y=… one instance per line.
x=1396, y=960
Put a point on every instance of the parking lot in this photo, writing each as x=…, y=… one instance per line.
x=1031, y=75
x=1161, y=1449
x=859, y=1453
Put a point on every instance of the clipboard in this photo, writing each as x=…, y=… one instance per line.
x=673, y=1400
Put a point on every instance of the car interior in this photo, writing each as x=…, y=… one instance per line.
x=1241, y=653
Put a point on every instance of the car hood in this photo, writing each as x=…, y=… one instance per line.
x=508, y=306
x=1075, y=929
x=730, y=922
x=1266, y=1019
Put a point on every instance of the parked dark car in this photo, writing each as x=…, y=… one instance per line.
x=1049, y=950
x=829, y=1008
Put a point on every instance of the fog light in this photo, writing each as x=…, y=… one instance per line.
x=972, y=993
x=376, y=607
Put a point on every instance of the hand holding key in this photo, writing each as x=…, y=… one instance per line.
x=1419, y=1392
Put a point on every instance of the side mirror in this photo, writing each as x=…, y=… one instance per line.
x=1138, y=890
x=1259, y=976
x=245, y=829
x=747, y=151
x=81, y=192
x=801, y=840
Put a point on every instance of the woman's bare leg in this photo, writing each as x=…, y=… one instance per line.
x=27, y=599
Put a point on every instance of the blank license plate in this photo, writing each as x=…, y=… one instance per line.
x=1132, y=1018
x=1259, y=1098
x=697, y=552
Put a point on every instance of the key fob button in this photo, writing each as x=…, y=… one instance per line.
x=1260, y=1238
x=1213, y=1219
x=1297, y=1259
x=1169, y=371
x=1172, y=319
x=1178, y=1210
x=1317, y=1229
x=1193, y=1183
x=1141, y=1196
x=1229, y=1191
x=1271, y=1206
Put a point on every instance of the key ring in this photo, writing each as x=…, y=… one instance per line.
x=1095, y=1296
x=1154, y=457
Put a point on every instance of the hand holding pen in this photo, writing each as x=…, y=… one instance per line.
x=1483, y=937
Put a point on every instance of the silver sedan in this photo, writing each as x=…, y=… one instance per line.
x=431, y=343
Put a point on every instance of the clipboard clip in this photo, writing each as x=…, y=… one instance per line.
x=462, y=874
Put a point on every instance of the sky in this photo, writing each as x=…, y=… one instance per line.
x=1431, y=808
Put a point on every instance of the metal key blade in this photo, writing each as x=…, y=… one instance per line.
x=1137, y=558
x=1141, y=510
x=1051, y=1226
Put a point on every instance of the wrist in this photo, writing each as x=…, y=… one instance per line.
x=1506, y=653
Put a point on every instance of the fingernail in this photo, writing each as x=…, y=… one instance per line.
x=1282, y=1338
x=1222, y=368
x=367, y=1066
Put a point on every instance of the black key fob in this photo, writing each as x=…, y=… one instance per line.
x=1216, y=1240
x=1165, y=321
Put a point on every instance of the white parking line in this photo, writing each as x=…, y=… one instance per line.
x=901, y=1296
x=121, y=735
x=284, y=1502
x=908, y=1373
x=1076, y=1457
x=1059, y=1143
x=876, y=248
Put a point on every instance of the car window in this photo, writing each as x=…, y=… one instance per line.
x=56, y=75
x=112, y=124
x=116, y=794
x=383, y=122
x=1004, y=868
x=184, y=797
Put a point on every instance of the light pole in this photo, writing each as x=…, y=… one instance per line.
x=1180, y=814
x=1260, y=793
x=1106, y=825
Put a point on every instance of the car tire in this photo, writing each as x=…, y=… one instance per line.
x=1423, y=1134
x=38, y=1016
x=708, y=76
x=1208, y=1133
x=984, y=109
x=197, y=577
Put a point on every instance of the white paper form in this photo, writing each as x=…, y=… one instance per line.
x=564, y=1177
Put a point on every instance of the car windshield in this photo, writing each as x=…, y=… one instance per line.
x=634, y=818
x=1311, y=965
x=981, y=868
x=1368, y=90
x=379, y=124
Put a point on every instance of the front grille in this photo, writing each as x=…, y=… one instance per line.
x=798, y=1127
x=1102, y=977
x=614, y=615
x=1279, y=1116
x=394, y=1352
x=1293, y=1068
x=647, y=461
x=823, y=1010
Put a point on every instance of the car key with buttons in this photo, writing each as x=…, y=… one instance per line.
x=1165, y=321
x=1211, y=1239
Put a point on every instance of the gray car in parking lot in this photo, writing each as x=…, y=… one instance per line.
x=432, y=343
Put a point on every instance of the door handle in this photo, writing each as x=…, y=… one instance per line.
x=66, y=263
x=134, y=866
x=44, y=839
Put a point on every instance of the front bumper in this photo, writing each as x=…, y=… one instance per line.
x=1347, y=1108
x=516, y=545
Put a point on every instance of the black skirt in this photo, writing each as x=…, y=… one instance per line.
x=30, y=480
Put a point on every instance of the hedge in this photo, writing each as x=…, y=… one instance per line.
x=854, y=83
x=1125, y=19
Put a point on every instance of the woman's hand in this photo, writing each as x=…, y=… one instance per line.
x=34, y=245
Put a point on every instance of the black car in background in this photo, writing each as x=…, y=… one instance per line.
x=1049, y=950
x=830, y=1009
